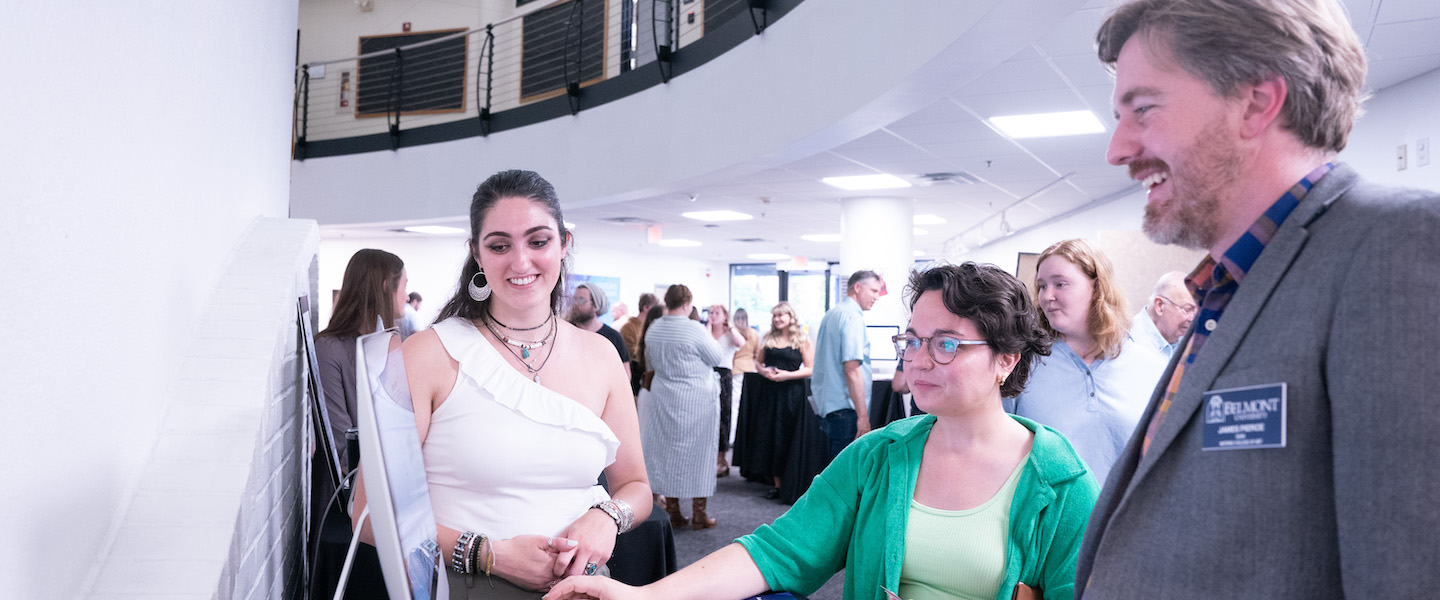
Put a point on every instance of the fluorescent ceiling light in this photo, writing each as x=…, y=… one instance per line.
x=821, y=237
x=1048, y=124
x=879, y=181
x=678, y=243
x=716, y=215
x=569, y=225
x=919, y=253
x=919, y=231
x=769, y=256
x=434, y=229
x=928, y=220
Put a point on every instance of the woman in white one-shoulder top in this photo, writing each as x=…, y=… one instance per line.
x=519, y=412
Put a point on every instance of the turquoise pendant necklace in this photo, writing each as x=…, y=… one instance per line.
x=526, y=346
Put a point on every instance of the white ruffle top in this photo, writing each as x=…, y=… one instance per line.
x=506, y=456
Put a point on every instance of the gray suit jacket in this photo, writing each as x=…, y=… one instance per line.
x=1343, y=306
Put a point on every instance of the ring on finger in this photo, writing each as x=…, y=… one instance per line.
x=590, y=568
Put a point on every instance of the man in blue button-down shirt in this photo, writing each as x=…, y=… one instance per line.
x=841, y=379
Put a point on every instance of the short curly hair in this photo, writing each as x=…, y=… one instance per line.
x=999, y=306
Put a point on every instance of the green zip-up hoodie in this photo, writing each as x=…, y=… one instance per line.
x=854, y=516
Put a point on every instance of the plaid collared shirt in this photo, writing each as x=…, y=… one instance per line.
x=1214, y=283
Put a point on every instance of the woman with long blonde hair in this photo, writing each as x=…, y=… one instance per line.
x=1094, y=385
x=773, y=444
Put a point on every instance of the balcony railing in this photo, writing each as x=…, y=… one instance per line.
x=435, y=86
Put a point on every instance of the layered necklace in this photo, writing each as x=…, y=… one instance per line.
x=524, y=346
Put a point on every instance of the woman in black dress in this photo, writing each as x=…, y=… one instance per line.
x=780, y=442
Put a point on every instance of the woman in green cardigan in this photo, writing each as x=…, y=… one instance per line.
x=964, y=502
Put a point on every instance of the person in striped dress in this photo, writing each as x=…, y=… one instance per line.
x=679, y=415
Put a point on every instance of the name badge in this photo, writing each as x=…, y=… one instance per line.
x=1245, y=418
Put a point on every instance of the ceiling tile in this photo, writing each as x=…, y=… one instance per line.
x=882, y=158
x=968, y=129
x=1385, y=73
x=1031, y=75
x=876, y=139
x=1075, y=34
x=976, y=153
x=992, y=105
x=1084, y=70
x=1395, y=11
x=1402, y=40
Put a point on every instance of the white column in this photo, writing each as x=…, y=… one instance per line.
x=878, y=234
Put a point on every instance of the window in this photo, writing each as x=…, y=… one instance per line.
x=431, y=78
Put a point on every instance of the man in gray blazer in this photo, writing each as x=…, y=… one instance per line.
x=1292, y=448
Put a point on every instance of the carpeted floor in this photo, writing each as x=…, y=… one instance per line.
x=738, y=508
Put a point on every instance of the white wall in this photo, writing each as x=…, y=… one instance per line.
x=433, y=265
x=122, y=214
x=1124, y=214
x=1399, y=114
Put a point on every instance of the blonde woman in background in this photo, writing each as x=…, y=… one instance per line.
x=730, y=341
x=744, y=363
x=1096, y=382
x=779, y=449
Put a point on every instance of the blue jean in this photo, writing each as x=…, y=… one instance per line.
x=839, y=427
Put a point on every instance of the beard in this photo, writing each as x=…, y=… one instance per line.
x=1191, y=217
x=580, y=317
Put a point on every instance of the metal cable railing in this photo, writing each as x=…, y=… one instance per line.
x=555, y=51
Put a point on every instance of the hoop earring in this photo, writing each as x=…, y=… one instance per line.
x=480, y=292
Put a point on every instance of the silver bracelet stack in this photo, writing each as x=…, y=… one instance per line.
x=620, y=511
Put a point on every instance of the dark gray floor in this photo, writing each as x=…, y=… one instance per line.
x=738, y=507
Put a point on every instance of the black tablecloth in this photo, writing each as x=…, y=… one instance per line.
x=886, y=406
x=795, y=452
x=642, y=555
x=645, y=554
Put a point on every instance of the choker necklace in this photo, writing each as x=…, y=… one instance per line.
x=525, y=348
x=491, y=317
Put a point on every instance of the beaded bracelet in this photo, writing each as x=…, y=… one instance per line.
x=489, y=558
x=472, y=554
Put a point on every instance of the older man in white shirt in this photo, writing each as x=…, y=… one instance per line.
x=1167, y=316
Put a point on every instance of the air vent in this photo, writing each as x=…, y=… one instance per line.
x=951, y=177
x=628, y=221
x=749, y=240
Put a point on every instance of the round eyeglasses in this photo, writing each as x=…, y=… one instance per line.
x=943, y=348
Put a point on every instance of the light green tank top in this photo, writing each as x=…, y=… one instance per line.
x=958, y=554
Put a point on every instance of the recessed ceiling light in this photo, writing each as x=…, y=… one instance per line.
x=919, y=253
x=919, y=231
x=678, y=243
x=928, y=220
x=1048, y=124
x=434, y=229
x=878, y=181
x=716, y=215
x=569, y=225
x=768, y=256
x=821, y=237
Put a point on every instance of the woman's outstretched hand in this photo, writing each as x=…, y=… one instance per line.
x=600, y=588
